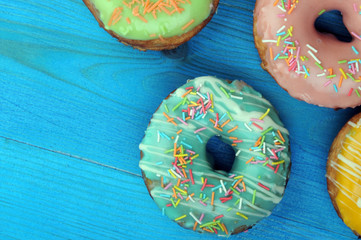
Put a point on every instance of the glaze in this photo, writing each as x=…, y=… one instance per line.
x=311, y=66
x=192, y=193
x=345, y=174
x=151, y=19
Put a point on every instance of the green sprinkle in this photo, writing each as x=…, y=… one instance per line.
x=205, y=200
x=254, y=196
x=266, y=131
x=322, y=11
x=286, y=36
x=173, y=203
x=178, y=105
x=331, y=76
x=350, y=75
x=229, y=209
x=358, y=94
x=225, y=92
x=264, y=164
x=210, y=224
x=342, y=61
x=166, y=108
x=283, y=57
x=168, y=151
x=263, y=138
x=278, y=139
x=237, y=201
x=235, y=191
x=229, y=115
x=318, y=65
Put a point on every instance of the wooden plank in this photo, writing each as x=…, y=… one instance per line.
x=74, y=105
x=47, y=195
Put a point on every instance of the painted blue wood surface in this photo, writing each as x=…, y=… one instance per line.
x=74, y=105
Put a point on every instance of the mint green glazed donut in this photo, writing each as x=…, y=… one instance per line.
x=179, y=173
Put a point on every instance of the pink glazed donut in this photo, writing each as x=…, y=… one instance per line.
x=312, y=66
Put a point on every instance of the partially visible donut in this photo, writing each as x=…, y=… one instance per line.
x=344, y=174
x=311, y=66
x=152, y=24
x=179, y=173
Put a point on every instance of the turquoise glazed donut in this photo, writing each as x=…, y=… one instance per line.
x=179, y=173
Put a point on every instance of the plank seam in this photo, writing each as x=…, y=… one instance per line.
x=71, y=156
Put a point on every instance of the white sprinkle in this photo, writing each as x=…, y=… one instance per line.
x=238, y=152
x=359, y=202
x=190, y=197
x=269, y=41
x=321, y=75
x=280, y=30
x=224, y=187
x=264, y=148
x=237, y=97
x=198, y=93
x=195, y=219
x=352, y=124
x=245, y=124
x=176, y=139
x=269, y=150
x=314, y=57
x=176, y=174
x=312, y=48
x=158, y=140
x=240, y=203
x=282, y=9
x=204, y=115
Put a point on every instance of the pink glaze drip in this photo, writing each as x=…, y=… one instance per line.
x=314, y=89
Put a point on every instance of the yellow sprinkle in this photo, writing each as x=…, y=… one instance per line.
x=179, y=218
x=212, y=101
x=176, y=204
x=242, y=215
x=265, y=114
x=195, y=156
x=181, y=155
x=278, y=163
x=172, y=173
x=343, y=73
x=180, y=190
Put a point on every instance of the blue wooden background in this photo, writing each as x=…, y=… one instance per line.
x=74, y=105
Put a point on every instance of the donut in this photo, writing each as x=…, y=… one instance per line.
x=152, y=24
x=312, y=66
x=344, y=174
x=180, y=174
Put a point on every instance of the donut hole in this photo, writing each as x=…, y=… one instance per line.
x=220, y=154
x=331, y=22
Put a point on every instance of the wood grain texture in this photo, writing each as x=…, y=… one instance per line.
x=74, y=105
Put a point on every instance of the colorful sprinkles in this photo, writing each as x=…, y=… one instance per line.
x=144, y=10
x=208, y=196
x=287, y=48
